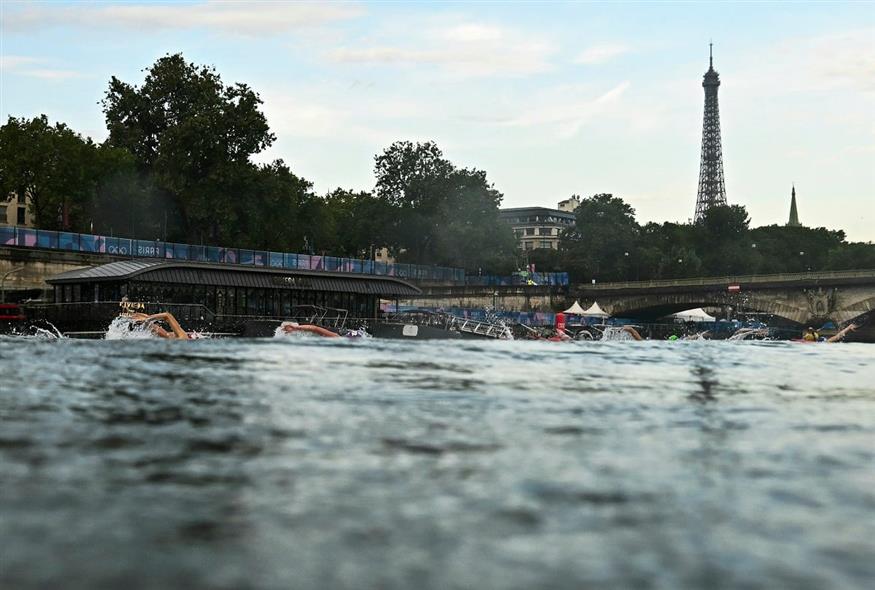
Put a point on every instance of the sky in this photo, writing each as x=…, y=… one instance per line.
x=550, y=99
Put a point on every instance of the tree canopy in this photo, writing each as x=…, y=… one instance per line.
x=195, y=136
x=607, y=244
x=443, y=214
x=598, y=243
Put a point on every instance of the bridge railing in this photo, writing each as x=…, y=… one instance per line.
x=736, y=279
x=93, y=244
x=553, y=279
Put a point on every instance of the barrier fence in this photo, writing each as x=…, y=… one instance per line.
x=553, y=279
x=548, y=319
x=87, y=243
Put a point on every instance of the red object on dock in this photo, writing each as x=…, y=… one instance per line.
x=11, y=312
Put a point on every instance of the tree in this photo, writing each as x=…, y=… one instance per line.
x=194, y=135
x=267, y=211
x=595, y=246
x=126, y=200
x=444, y=215
x=724, y=243
x=53, y=165
x=360, y=222
x=412, y=175
x=471, y=235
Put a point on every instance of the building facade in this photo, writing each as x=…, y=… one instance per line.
x=540, y=227
x=15, y=211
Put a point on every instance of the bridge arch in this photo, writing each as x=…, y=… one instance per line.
x=650, y=308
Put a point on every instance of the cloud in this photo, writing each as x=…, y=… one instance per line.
x=23, y=65
x=566, y=113
x=325, y=111
x=845, y=59
x=466, y=50
x=248, y=18
x=10, y=62
x=599, y=54
x=469, y=32
x=825, y=63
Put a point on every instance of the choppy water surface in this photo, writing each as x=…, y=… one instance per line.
x=306, y=463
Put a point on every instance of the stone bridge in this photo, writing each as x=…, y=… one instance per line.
x=798, y=298
x=803, y=298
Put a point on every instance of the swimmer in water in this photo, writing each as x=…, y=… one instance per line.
x=151, y=321
x=632, y=332
x=296, y=328
x=839, y=336
x=810, y=335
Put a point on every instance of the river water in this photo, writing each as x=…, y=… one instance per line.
x=307, y=463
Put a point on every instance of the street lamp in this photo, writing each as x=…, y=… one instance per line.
x=3, y=281
x=804, y=266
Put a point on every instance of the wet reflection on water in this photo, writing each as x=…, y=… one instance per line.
x=380, y=464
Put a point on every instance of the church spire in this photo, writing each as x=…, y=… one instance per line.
x=794, y=214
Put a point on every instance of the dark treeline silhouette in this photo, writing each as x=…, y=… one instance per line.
x=608, y=244
x=177, y=165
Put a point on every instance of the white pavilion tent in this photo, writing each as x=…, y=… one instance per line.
x=575, y=309
x=595, y=311
x=694, y=315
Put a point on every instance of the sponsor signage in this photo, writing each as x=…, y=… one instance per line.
x=734, y=288
x=292, y=282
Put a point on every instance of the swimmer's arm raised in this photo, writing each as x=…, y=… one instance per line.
x=842, y=333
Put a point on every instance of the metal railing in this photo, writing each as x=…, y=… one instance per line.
x=22, y=237
x=552, y=279
x=736, y=279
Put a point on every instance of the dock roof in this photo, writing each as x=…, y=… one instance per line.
x=202, y=273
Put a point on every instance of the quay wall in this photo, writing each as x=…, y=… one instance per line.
x=37, y=266
x=520, y=298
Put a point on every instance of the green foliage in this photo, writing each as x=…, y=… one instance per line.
x=443, y=215
x=194, y=135
x=721, y=244
x=359, y=223
x=595, y=246
x=52, y=164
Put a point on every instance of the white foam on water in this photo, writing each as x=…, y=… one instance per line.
x=617, y=334
x=123, y=328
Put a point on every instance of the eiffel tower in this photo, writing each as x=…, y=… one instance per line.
x=712, y=190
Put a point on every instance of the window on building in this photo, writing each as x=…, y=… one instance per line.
x=546, y=244
x=527, y=245
x=545, y=231
x=21, y=213
x=2, y=213
x=530, y=231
